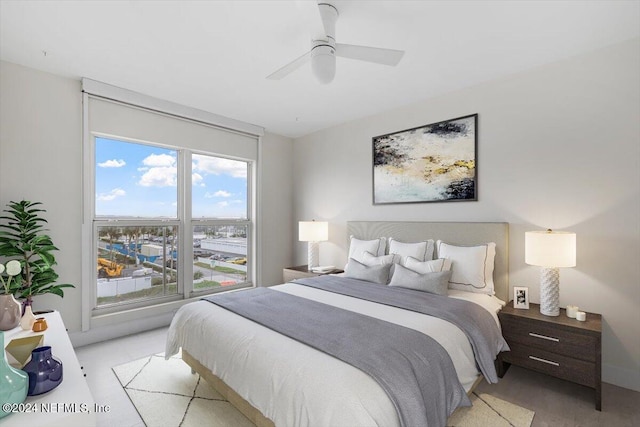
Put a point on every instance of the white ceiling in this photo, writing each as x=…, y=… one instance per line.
x=215, y=55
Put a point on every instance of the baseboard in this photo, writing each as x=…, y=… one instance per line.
x=622, y=377
x=105, y=333
x=128, y=322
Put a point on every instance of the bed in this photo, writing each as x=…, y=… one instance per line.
x=276, y=380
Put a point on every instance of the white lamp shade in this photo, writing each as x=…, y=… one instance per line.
x=550, y=248
x=313, y=231
x=323, y=63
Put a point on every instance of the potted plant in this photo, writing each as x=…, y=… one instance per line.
x=22, y=238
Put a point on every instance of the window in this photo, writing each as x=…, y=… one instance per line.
x=169, y=210
x=139, y=222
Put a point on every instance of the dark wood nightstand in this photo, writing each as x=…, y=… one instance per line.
x=558, y=346
x=293, y=273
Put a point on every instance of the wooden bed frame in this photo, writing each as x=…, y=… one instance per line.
x=461, y=233
x=254, y=415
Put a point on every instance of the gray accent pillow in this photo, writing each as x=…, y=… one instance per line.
x=435, y=283
x=374, y=273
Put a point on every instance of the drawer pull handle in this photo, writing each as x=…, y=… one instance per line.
x=544, y=361
x=544, y=337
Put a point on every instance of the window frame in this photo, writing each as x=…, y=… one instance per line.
x=183, y=221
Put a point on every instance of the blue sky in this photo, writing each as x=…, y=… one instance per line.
x=141, y=181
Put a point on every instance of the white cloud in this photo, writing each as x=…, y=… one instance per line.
x=223, y=204
x=160, y=177
x=196, y=179
x=219, y=166
x=113, y=163
x=107, y=197
x=159, y=160
x=159, y=170
x=219, y=193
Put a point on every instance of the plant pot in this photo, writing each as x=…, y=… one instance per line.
x=15, y=383
x=10, y=312
x=44, y=370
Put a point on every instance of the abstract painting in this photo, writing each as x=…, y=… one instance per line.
x=431, y=163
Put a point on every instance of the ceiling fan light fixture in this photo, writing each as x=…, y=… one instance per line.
x=323, y=63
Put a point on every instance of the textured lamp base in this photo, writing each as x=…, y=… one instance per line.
x=313, y=255
x=550, y=291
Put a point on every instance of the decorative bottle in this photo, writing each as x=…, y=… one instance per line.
x=14, y=382
x=28, y=319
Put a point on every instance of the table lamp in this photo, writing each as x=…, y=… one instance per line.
x=313, y=232
x=550, y=250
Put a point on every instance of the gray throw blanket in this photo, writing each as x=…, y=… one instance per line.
x=414, y=370
x=476, y=322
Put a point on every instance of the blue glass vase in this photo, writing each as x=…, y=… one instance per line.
x=14, y=383
x=44, y=370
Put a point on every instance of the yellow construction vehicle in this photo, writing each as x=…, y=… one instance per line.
x=108, y=268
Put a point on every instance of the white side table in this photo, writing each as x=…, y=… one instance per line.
x=69, y=404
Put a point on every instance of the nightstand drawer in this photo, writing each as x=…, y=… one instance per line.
x=552, y=338
x=559, y=366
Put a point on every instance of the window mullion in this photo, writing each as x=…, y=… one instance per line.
x=184, y=201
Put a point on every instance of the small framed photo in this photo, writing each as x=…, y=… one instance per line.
x=520, y=297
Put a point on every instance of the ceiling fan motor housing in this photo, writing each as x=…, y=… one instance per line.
x=323, y=62
x=323, y=51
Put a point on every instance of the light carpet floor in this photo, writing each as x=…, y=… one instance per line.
x=166, y=394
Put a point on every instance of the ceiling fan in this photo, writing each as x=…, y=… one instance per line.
x=324, y=48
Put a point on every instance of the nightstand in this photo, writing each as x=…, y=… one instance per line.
x=293, y=273
x=558, y=346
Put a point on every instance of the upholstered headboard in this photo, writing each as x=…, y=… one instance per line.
x=461, y=233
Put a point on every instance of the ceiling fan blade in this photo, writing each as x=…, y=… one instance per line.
x=290, y=67
x=369, y=54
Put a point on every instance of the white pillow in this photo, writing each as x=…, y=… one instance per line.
x=434, y=283
x=358, y=247
x=422, y=251
x=471, y=266
x=369, y=259
x=433, y=266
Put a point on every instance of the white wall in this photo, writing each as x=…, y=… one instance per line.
x=276, y=201
x=558, y=147
x=41, y=159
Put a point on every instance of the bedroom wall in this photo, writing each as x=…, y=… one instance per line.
x=41, y=159
x=558, y=147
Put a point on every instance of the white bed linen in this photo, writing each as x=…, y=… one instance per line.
x=293, y=384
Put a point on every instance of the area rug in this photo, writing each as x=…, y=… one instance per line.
x=166, y=394
x=489, y=411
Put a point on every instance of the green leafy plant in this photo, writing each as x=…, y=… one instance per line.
x=23, y=238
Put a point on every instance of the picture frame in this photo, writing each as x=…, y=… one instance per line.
x=430, y=163
x=520, y=297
